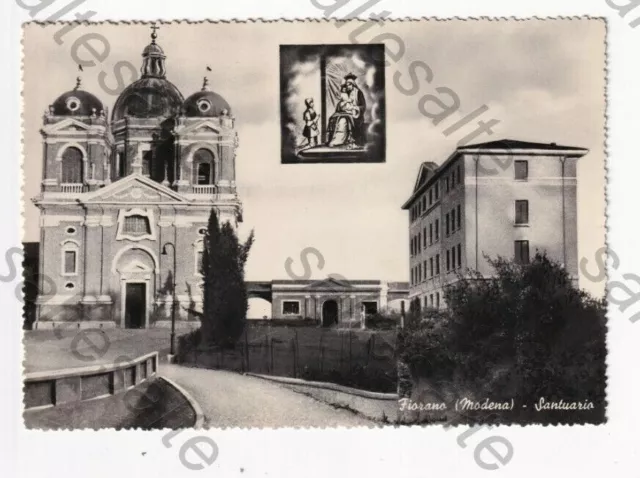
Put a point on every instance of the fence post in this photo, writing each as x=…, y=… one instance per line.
x=246, y=349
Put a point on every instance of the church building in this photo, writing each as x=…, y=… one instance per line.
x=125, y=200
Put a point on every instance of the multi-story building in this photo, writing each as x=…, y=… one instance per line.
x=502, y=198
x=125, y=200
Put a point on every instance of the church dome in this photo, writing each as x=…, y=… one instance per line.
x=76, y=102
x=152, y=95
x=206, y=103
x=148, y=97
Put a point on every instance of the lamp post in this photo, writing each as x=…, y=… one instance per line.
x=172, y=351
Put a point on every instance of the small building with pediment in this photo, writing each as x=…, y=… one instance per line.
x=125, y=200
x=331, y=301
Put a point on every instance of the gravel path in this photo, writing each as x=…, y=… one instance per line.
x=232, y=400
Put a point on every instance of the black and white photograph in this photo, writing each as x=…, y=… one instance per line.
x=433, y=264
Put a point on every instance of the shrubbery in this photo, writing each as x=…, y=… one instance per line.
x=527, y=332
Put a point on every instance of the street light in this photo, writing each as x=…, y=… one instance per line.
x=172, y=351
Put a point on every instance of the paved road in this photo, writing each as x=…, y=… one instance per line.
x=232, y=400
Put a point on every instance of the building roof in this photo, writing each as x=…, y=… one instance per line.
x=508, y=144
x=427, y=174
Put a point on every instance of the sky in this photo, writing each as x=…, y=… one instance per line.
x=543, y=81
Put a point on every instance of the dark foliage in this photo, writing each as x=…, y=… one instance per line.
x=225, y=300
x=527, y=332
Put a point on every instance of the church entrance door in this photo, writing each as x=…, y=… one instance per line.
x=329, y=313
x=135, y=306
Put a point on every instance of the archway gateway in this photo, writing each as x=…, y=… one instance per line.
x=329, y=313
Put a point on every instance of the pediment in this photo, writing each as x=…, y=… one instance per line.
x=69, y=125
x=330, y=284
x=136, y=189
x=206, y=127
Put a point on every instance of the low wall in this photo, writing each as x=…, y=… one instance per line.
x=56, y=387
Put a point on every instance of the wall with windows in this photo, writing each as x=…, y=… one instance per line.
x=514, y=211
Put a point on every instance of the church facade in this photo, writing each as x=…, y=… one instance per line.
x=125, y=200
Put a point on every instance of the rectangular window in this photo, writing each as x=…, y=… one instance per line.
x=448, y=260
x=453, y=179
x=136, y=225
x=424, y=237
x=412, y=276
x=424, y=264
x=453, y=220
x=70, y=262
x=419, y=242
x=446, y=225
x=430, y=234
x=199, y=257
x=290, y=307
x=437, y=230
x=522, y=211
x=430, y=300
x=459, y=173
x=521, y=252
x=431, y=267
x=122, y=166
x=147, y=163
x=437, y=190
x=437, y=264
x=459, y=255
x=521, y=170
x=370, y=307
x=424, y=203
x=430, y=197
x=458, y=215
x=453, y=257
x=420, y=272
x=437, y=300
x=446, y=185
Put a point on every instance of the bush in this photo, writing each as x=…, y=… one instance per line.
x=282, y=322
x=524, y=333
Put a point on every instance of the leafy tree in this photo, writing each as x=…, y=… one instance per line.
x=525, y=332
x=225, y=299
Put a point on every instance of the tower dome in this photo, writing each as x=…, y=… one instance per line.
x=76, y=102
x=152, y=95
x=206, y=103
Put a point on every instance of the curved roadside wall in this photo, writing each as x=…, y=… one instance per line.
x=58, y=387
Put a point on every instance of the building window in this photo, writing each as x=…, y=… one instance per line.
x=204, y=167
x=424, y=264
x=453, y=257
x=446, y=225
x=458, y=215
x=424, y=237
x=446, y=184
x=370, y=307
x=430, y=300
x=521, y=170
x=453, y=179
x=437, y=300
x=459, y=255
x=70, y=263
x=459, y=173
x=72, y=165
x=431, y=267
x=147, y=163
x=121, y=171
x=69, y=257
x=430, y=234
x=69, y=286
x=522, y=211
x=291, y=307
x=420, y=272
x=437, y=264
x=71, y=230
x=430, y=197
x=419, y=240
x=437, y=190
x=437, y=230
x=521, y=252
x=453, y=220
x=448, y=260
x=136, y=225
x=424, y=203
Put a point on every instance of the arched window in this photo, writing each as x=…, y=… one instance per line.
x=72, y=166
x=136, y=225
x=204, y=167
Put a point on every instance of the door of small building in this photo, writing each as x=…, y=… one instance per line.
x=329, y=313
x=135, y=305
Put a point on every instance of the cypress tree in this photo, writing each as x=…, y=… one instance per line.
x=224, y=291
